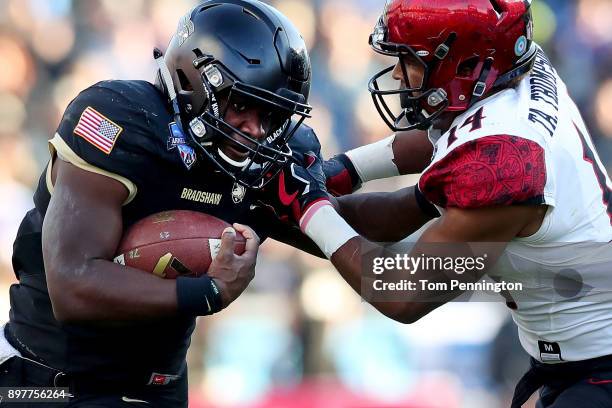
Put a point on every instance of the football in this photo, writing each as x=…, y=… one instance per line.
x=174, y=243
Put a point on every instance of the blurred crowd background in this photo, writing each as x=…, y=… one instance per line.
x=299, y=337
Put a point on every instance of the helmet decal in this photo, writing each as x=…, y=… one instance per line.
x=185, y=28
x=520, y=47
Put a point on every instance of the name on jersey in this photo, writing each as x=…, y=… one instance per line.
x=544, y=110
x=201, y=196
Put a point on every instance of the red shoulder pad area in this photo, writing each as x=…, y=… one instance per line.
x=490, y=171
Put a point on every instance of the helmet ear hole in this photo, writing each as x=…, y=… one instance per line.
x=183, y=81
x=467, y=67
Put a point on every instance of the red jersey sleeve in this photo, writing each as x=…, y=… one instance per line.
x=489, y=171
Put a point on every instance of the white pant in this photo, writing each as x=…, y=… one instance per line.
x=6, y=350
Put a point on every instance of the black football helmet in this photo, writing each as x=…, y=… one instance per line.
x=229, y=50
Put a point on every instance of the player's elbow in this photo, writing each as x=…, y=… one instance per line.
x=72, y=307
x=69, y=298
x=62, y=313
x=67, y=306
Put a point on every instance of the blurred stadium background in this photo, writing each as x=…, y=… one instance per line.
x=299, y=337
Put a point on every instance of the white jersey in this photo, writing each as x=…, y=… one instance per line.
x=530, y=145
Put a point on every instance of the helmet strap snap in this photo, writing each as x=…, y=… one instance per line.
x=442, y=50
x=481, y=85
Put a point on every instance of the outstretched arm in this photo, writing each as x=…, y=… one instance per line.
x=386, y=217
x=399, y=154
x=379, y=217
x=354, y=258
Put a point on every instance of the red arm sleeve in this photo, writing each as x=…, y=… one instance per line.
x=490, y=171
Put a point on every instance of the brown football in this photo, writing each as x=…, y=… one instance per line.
x=174, y=243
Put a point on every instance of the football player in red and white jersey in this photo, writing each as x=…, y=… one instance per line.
x=512, y=164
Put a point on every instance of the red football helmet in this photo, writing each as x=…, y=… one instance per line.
x=468, y=49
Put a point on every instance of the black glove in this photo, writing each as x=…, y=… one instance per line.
x=295, y=189
x=341, y=176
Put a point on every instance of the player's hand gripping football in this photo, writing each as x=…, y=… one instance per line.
x=232, y=273
x=297, y=187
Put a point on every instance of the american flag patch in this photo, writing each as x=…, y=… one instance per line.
x=98, y=130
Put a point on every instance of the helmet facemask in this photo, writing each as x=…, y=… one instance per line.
x=212, y=134
x=413, y=98
x=468, y=51
x=217, y=59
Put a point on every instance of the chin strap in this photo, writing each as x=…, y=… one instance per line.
x=525, y=64
x=167, y=84
x=481, y=85
x=233, y=162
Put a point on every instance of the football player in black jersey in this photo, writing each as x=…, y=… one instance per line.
x=224, y=116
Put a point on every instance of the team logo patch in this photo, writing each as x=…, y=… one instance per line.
x=238, y=193
x=176, y=136
x=188, y=155
x=98, y=130
x=162, y=379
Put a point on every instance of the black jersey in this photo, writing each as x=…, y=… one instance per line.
x=124, y=130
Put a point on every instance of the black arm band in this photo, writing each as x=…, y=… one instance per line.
x=198, y=296
x=424, y=204
x=350, y=167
